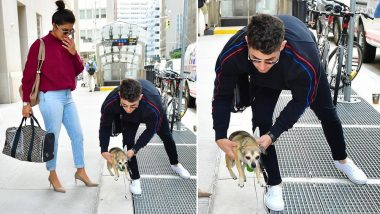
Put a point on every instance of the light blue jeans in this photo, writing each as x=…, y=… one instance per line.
x=58, y=107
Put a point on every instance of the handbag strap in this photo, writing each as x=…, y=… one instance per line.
x=17, y=138
x=32, y=118
x=41, y=56
x=18, y=134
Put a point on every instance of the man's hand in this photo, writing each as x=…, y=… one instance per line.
x=130, y=153
x=107, y=156
x=227, y=147
x=264, y=141
x=27, y=111
x=69, y=45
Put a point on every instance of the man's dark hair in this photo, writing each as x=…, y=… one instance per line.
x=62, y=15
x=130, y=90
x=265, y=33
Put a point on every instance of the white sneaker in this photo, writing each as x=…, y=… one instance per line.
x=273, y=198
x=179, y=169
x=135, y=187
x=353, y=172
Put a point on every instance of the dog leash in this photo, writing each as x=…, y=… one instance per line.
x=125, y=186
x=124, y=179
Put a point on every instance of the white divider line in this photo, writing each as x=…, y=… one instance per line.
x=166, y=177
x=339, y=95
x=325, y=180
x=344, y=126
x=180, y=144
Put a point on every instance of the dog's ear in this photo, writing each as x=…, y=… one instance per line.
x=256, y=134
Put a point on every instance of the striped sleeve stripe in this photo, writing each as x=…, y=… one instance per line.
x=109, y=102
x=156, y=111
x=308, y=67
x=240, y=47
x=222, y=59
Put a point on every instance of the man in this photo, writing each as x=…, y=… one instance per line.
x=278, y=53
x=132, y=103
x=91, y=70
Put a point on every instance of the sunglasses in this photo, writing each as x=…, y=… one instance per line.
x=65, y=31
x=269, y=62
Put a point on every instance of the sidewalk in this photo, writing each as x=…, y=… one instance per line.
x=312, y=186
x=24, y=187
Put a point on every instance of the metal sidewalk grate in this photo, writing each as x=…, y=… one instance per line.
x=363, y=113
x=331, y=198
x=291, y=156
x=162, y=196
x=153, y=160
x=301, y=198
x=374, y=195
x=363, y=150
x=350, y=114
x=345, y=199
x=180, y=137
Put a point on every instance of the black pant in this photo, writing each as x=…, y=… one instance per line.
x=262, y=113
x=129, y=134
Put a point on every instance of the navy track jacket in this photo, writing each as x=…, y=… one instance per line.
x=149, y=112
x=298, y=70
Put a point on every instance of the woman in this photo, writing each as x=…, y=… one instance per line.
x=58, y=73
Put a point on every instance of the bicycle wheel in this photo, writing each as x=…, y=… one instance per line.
x=357, y=60
x=324, y=51
x=170, y=107
x=340, y=54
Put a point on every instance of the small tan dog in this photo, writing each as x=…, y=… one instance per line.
x=247, y=153
x=119, y=163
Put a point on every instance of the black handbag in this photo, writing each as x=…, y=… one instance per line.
x=29, y=143
x=242, y=93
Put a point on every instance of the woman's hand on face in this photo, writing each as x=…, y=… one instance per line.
x=69, y=45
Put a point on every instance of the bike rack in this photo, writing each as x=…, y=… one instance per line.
x=347, y=87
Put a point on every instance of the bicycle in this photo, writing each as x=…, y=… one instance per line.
x=337, y=73
x=171, y=84
x=325, y=18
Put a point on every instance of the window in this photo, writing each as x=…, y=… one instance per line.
x=89, y=14
x=157, y=32
x=103, y=13
x=82, y=14
x=97, y=13
x=157, y=40
x=39, y=25
x=83, y=34
x=89, y=33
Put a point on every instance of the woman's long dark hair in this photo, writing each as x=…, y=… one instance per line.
x=62, y=15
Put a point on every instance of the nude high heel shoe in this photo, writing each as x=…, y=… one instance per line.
x=57, y=189
x=87, y=183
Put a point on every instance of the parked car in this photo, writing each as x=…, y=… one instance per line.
x=367, y=31
x=190, y=68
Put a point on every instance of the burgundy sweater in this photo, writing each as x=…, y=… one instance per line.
x=58, y=71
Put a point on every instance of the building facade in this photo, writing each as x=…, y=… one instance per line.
x=173, y=22
x=146, y=14
x=21, y=23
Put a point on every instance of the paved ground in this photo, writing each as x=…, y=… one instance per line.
x=228, y=197
x=24, y=187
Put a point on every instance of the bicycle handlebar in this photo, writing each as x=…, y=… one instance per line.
x=342, y=13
